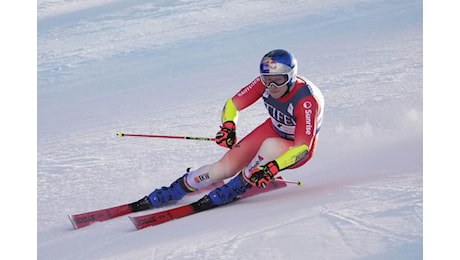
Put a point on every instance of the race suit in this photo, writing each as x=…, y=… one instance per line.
x=295, y=119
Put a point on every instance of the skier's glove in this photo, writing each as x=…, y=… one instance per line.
x=226, y=137
x=261, y=175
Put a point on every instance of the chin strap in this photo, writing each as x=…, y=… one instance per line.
x=288, y=90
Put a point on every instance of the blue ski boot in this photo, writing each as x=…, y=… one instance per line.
x=230, y=191
x=164, y=195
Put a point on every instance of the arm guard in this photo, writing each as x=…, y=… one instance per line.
x=292, y=156
x=230, y=112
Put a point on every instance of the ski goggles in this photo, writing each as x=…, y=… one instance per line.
x=277, y=80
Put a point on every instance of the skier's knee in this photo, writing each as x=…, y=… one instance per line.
x=272, y=148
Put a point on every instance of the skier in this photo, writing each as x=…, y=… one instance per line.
x=286, y=140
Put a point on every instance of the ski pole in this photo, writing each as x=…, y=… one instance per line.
x=121, y=134
x=298, y=183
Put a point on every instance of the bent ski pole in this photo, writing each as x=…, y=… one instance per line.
x=121, y=134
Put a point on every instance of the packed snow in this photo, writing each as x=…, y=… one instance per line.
x=167, y=67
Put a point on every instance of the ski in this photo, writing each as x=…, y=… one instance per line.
x=88, y=218
x=202, y=204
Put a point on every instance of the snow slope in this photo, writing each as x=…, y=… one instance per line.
x=167, y=67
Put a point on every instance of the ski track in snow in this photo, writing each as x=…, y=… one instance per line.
x=362, y=194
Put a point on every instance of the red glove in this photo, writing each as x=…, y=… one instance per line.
x=226, y=137
x=261, y=175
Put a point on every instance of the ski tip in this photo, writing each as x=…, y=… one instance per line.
x=120, y=134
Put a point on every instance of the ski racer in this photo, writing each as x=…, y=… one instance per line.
x=286, y=140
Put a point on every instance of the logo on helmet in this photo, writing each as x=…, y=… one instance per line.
x=270, y=65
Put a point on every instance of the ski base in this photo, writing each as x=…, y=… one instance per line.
x=141, y=222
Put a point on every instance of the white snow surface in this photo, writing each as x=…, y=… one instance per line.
x=167, y=67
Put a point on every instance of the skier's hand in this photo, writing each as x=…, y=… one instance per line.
x=261, y=175
x=226, y=137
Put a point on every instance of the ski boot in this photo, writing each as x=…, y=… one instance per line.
x=140, y=205
x=230, y=191
x=164, y=195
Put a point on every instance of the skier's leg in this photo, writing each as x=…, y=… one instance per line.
x=270, y=150
x=232, y=162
